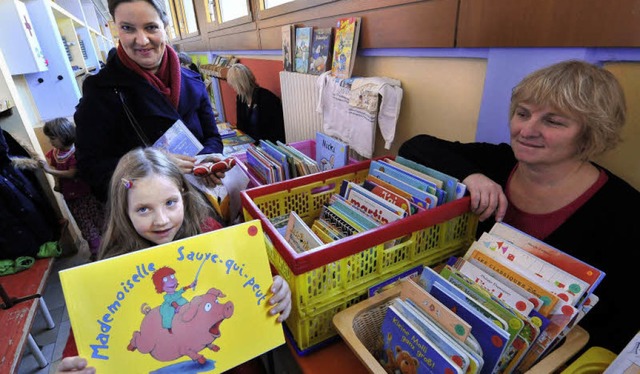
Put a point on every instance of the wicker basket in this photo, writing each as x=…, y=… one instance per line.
x=359, y=326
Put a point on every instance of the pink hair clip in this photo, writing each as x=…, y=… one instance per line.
x=127, y=183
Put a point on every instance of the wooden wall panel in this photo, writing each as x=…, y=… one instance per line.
x=549, y=23
x=386, y=24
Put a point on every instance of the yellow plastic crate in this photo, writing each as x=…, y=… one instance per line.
x=332, y=277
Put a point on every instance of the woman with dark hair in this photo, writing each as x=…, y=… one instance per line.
x=138, y=96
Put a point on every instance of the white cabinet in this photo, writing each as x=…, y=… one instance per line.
x=18, y=40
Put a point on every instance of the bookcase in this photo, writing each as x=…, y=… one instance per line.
x=72, y=42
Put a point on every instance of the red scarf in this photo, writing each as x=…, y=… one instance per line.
x=166, y=79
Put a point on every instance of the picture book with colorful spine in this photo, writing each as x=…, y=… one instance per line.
x=345, y=46
x=192, y=305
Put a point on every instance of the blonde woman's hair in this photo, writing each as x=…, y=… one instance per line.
x=585, y=92
x=242, y=80
x=120, y=236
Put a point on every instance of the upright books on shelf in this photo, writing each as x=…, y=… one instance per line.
x=288, y=37
x=117, y=306
x=345, y=47
x=302, y=45
x=321, y=50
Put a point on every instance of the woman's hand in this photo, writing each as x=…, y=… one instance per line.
x=75, y=364
x=281, y=299
x=185, y=163
x=487, y=197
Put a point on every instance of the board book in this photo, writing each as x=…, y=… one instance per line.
x=331, y=153
x=321, y=50
x=345, y=47
x=221, y=280
x=302, y=44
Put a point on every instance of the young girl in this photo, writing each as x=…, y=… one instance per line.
x=152, y=203
x=87, y=211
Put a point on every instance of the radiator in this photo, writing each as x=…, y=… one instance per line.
x=299, y=100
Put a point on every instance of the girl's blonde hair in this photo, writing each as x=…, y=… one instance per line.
x=242, y=80
x=585, y=92
x=120, y=236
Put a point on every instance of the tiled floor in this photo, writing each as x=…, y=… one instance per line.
x=52, y=341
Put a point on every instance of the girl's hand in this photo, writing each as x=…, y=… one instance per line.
x=75, y=364
x=487, y=197
x=43, y=165
x=281, y=298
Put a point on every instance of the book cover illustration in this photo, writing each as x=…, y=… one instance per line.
x=408, y=350
x=544, y=251
x=179, y=140
x=287, y=46
x=491, y=338
x=192, y=305
x=345, y=47
x=300, y=236
x=302, y=44
x=321, y=50
x=331, y=153
x=567, y=286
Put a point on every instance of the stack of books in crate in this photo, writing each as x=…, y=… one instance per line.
x=330, y=277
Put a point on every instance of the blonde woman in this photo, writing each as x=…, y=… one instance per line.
x=259, y=111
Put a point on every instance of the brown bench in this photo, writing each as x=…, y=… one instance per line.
x=21, y=295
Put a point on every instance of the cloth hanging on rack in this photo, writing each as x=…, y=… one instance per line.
x=351, y=109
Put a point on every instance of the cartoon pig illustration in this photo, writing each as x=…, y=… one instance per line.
x=195, y=326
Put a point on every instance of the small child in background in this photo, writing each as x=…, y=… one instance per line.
x=87, y=211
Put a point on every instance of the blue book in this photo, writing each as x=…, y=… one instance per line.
x=492, y=339
x=421, y=198
x=331, y=153
x=407, y=348
x=452, y=186
x=277, y=154
x=410, y=179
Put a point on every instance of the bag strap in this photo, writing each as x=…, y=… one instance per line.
x=132, y=119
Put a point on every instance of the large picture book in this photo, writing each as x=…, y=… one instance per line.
x=345, y=47
x=123, y=318
x=331, y=153
x=288, y=38
x=302, y=45
x=321, y=52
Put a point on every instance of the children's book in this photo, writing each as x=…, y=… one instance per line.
x=302, y=43
x=490, y=336
x=499, y=289
x=331, y=153
x=370, y=204
x=419, y=197
x=453, y=187
x=567, y=286
x=179, y=140
x=194, y=304
x=278, y=155
x=300, y=236
x=390, y=196
x=345, y=47
x=321, y=50
x=408, y=349
x=409, y=178
x=544, y=251
x=446, y=318
x=288, y=37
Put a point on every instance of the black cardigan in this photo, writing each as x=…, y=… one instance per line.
x=270, y=120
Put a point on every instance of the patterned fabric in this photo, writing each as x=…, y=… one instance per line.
x=89, y=214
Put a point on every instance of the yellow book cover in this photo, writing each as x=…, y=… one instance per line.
x=190, y=306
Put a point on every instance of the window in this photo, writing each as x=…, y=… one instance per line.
x=232, y=9
x=271, y=3
x=182, y=19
